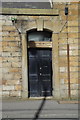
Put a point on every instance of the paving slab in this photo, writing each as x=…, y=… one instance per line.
x=39, y=108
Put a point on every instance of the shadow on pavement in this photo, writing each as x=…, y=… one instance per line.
x=36, y=116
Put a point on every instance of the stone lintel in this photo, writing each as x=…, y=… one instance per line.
x=19, y=11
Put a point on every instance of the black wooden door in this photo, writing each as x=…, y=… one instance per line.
x=40, y=72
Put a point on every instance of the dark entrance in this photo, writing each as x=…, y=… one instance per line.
x=40, y=72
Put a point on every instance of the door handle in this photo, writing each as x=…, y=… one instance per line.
x=40, y=68
x=40, y=74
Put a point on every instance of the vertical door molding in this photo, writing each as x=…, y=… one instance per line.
x=55, y=66
x=24, y=66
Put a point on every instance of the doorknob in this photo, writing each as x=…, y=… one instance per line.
x=40, y=74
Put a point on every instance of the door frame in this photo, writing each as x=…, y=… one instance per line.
x=55, y=66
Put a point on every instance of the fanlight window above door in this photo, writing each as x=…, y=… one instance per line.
x=39, y=36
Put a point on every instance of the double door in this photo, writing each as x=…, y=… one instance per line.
x=40, y=72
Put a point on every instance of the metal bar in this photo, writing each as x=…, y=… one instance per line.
x=69, y=89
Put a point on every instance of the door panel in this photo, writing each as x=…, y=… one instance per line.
x=40, y=72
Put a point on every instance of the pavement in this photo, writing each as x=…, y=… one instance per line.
x=39, y=109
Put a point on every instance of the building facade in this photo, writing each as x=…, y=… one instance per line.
x=40, y=51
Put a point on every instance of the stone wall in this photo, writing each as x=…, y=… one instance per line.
x=11, y=58
x=69, y=34
x=11, y=49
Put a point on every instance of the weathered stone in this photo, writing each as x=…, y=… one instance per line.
x=6, y=64
x=12, y=82
x=11, y=70
x=15, y=93
x=61, y=81
x=18, y=87
x=74, y=86
x=74, y=93
x=11, y=59
x=8, y=28
x=63, y=69
x=12, y=76
x=73, y=23
x=74, y=69
x=5, y=87
x=9, y=38
x=63, y=52
x=16, y=64
x=5, y=93
x=73, y=29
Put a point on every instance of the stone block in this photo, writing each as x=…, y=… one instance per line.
x=74, y=75
x=12, y=76
x=11, y=49
x=18, y=87
x=62, y=35
x=63, y=47
x=0, y=87
x=11, y=59
x=64, y=87
x=3, y=82
x=74, y=52
x=16, y=54
x=12, y=82
x=62, y=41
x=13, y=70
x=73, y=35
x=0, y=65
x=8, y=28
x=76, y=41
x=74, y=86
x=74, y=69
x=73, y=29
x=74, y=93
x=63, y=93
x=5, y=34
x=40, y=24
x=74, y=64
x=13, y=34
x=73, y=23
x=73, y=12
x=62, y=81
x=5, y=93
x=73, y=58
x=63, y=75
x=6, y=64
x=13, y=44
x=73, y=46
x=63, y=52
x=7, y=88
x=73, y=18
x=70, y=41
x=4, y=43
x=11, y=38
x=63, y=69
x=15, y=93
x=73, y=6
x=6, y=54
x=16, y=64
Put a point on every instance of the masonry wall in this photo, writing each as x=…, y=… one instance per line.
x=68, y=35
x=11, y=49
x=11, y=58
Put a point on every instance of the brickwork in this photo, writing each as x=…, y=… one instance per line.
x=11, y=50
